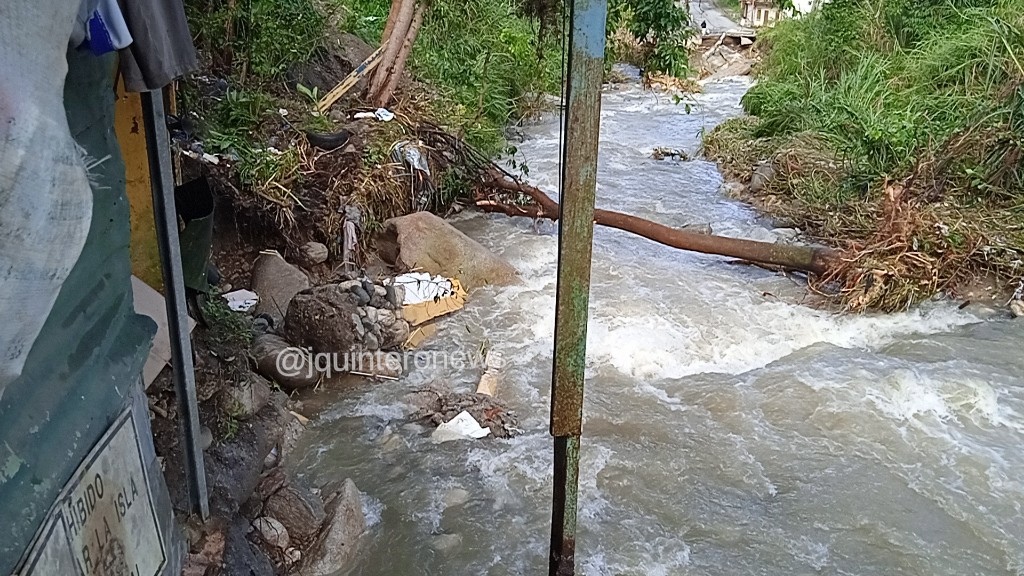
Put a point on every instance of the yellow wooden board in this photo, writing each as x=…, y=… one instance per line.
x=131, y=134
x=416, y=314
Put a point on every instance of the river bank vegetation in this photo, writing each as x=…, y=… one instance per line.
x=892, y=129
x=475, y=68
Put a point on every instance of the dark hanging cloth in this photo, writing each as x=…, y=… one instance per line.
x=162, y=50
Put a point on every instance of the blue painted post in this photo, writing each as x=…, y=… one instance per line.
x=575, y=245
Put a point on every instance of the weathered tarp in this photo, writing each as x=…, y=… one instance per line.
x=81, y=367
x=45, y=201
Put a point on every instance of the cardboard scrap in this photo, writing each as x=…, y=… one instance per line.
x=149, y=302
x=420, y=334
x=419, y=313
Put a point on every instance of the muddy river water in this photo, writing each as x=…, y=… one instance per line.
x=729, y=430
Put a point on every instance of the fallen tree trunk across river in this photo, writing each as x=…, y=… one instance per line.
x=816, y=260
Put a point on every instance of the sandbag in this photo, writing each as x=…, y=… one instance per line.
x=45, y=199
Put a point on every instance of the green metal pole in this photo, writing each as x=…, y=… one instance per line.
x=575, y=246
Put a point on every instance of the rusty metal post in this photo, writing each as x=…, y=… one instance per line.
x=575, y=245
x=158, y=144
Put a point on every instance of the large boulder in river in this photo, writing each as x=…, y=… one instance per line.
x=276, y=282
x=295, y=372
x=427, y=243
x=335, y=547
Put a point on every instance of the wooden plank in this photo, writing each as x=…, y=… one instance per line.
x=149, y=302
x=131, y=135
x=352, y=79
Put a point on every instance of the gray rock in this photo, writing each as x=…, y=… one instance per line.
x=371, y=342
x=244, y=399
x=205, y=437
x=371, y=326
x=370, y=314
x=357, y=324
x=277, y=282
x=386, y=317
x=293, y=504
x=391, y=295
x=397, y=334
x=763, y=174
x=1017, y=308
x=380, y=290
x=314, y=252
x=335, y=548
x=426, y=242
x=272, y=532
x=734, y=190
x=348, y=285
x=296, y=373
x=362, y=298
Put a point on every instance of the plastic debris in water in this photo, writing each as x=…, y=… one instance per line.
x=462, y=427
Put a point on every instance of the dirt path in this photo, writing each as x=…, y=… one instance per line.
x=707, y=11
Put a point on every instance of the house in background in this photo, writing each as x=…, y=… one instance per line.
x=757, y=13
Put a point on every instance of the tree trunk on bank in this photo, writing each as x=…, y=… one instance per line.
x=395, y=76
x=402, y=22
x=389, y=26
x=806, y=258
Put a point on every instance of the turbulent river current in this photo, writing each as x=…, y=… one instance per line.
x=729, y=429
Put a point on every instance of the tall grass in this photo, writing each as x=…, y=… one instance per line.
x=896, y=130
x=889, y=83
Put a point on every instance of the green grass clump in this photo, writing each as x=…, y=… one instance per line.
x=481, y=57
x=258, y=37
x=895, y=128
x=888, y=83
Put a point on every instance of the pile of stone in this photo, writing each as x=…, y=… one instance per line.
x=364, y=316
x=347, y=318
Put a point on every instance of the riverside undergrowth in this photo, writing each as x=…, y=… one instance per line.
x=894, y=129
x=480, y=57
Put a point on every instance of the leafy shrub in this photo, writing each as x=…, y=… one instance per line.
x=660, y=29
x=480, y=55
